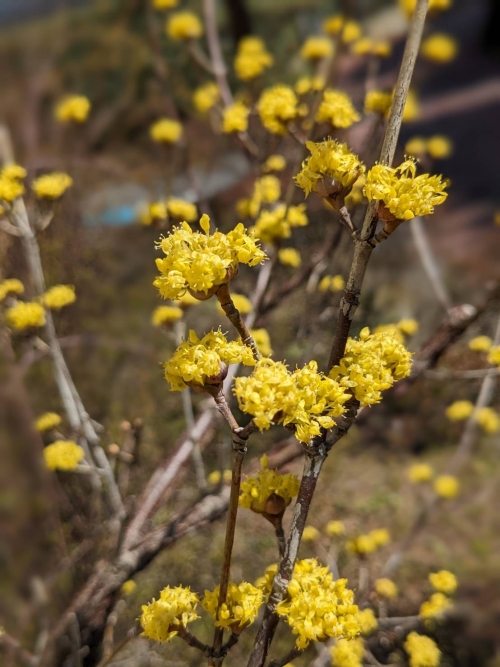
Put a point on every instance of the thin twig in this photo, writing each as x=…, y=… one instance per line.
x=233, y=315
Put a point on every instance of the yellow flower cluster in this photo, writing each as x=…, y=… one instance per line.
x=494, y=356
x=331, y=284
x=434, y=5
x=166, y=314
x=289, y=257
x=304, y=398
x=10, y=286
x=51, y=186
x=330, y=164
x=440, y=48
x=367, y=544
x=436, y=604
x=317, y=606
x=371, y=365
x=59, y=296
x=159, y=211
x=459, y=410
x=337, y=109
x=488, y=419
x=334, y=528
x=265, y=583
x=378, y=101
x=316, y=48
x=47, y=422
x=241, y=303
x=252, y=58
x=447, y=487
x=274, y=163
x=412, y=107
x=197, y=362
x=310, y=533
x=183, y=26
x=348, y=653
x=438, y=146
x=161, y=619
x=153, y=212
x=11, y=186
x=305, y=84
x=386, y=588
x=263, y=341
x=367, y=621
x=278, y=223
x=235, y=118
x=25, y=315
x=443, y=581
x=63, y=455
x=166, y=131
x=73, y=109
x=206, y=96
x=366, y=46
x=420, y=472
x=240, y=608
x=477, y=344
x=402, y=193
x=268, y=491
x=201, y=262
x=215, y=476
x=276, y=107
x=128, y=587
x=266, y=190
x=350, y=30
x=422, y=651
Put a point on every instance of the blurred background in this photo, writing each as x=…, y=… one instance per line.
x=115, y=53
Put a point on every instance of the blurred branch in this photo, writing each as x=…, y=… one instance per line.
x=7, y=642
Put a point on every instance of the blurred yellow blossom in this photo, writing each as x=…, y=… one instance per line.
x=51, y=186
x=436, y=604
x=276, y=107
x=378, y=101
x=331, y=284
x=361, y=545
x=165, y=4
x=334, y=528
x=252, y=58
x=316, y=48
x=10, y=286
x=11, y=186
x=73, y=109
x=447, y=486
x=206, y=96
x=310, y=534
x=386, y=588
x=422, y=651
x=165, y=314
x=439, y=147
x=25, y=315
x=480, y=344
x=367, y=621
x=348, y=652
x=380, y=536
x=47, y=422
x=183, y=26
x=161, y=619
x=63, y=455
x=240, y=608
x=274, y=163
x=59, y=296
x=182, y=210
x=153, y=212
x=459, y=410
x=416, y=146
x=488, y=419
x=128, y=587
x=263, y=341
x=235, y=118
x=434, y=5
x=289, y=257
x=408, y=326
x=494, y=355
x=337, y=109
x=420, y=472
x=306, y=84
x=412, y=107
x=443, y=581
x=278, y=223
x=351, y=31
x=439, y=48
x=166, y=131
x=241, y=303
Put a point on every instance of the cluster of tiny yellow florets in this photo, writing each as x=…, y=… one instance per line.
x=278, y=222
x=435, y=605
x=276, y=107
x=206, y=96
x=367, y=621
x=47, y=421
x=434, y=5
x=263, y=341
x=420, y=472
x=378, y=101
x=348, y=653
x=197, y=362
x=316, y=48
x=11, y=186
x=162, y=619
x=371, y=365
x=386, y=588
x=443, y=581
x=274, y=162
x=440, y=48
x=240, y=608
x=25, y=315
x=183, y=26
x=268, y=491
x=201, y=261
x=337, y=109
x=73, y=109
x=437, y=146
x=307, y=84
x=166, y=131
x=289, y=257
x=63, y=455
x=266, y=190
x=252, y=58
x=179, y=210
x=337, y=24
x=317, y=606
x=494, y=355
x=370, y=542
x=304, y=398
x=368, y=47
x=331, y=160
x=10, y=286
x=403, y=193
x=422, y=651
x=51, y=186
x=166, y=314
x=59, y=296
x=331, y=284
x=235, y=118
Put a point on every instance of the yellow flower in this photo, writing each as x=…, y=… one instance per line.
x=459, y=410
x=443, y=581
x=372, y=365
x=153, y=212
x=183, y=26
x=206, y=96
x=289, y=257
x=165, y=314
x=386, y=588
x=166, y=131
x=201, y=262
x=252, y=58
x=186, y=300
x=331, y=284
x=161, y=619
x=278, y=223
x=165, y=4
x=380, y=536
x=263, y=341
x=447, y=486
x=362, y=545
x=63, y=455
x=478, y=344
x=435, y=605
x=197, y=362
x=268, y=491
x=73, y=109
x=402, y=192
x=348, y=653
x=215, y=476
x=316, y=48
x=367, y=621
x=378, y=101
x=408, y=326
x=412, y=107
x=494, y=356
x=334, y=528
x=235, y=118
x=330, y=167
x=382, y=49
x=128, y=587
x=420, y=472
x=336, y=108
x=362, y=46
x=10, y=183
x=440, y=48
x=59, y=296
x=10, y=286
x=306, y=84
x=416, y=146
x=274, y=163
x=51, y=186
x=305, y=398
x=422, y=651
x=317, y=606
x=434, y=5
x=488, y=419
x=47, y=422
x=276, y=107
x=25, y=315
x=439, y=147
x=351, y=30
x=241, y=303
x=13, y=172
x=240, y=608
x=182, y=210
x=310, y=534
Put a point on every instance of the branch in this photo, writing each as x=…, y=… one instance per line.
x=233, y=315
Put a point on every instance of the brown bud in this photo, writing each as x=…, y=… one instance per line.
x=275, y=504
x=113, y=449
x=231, y=272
